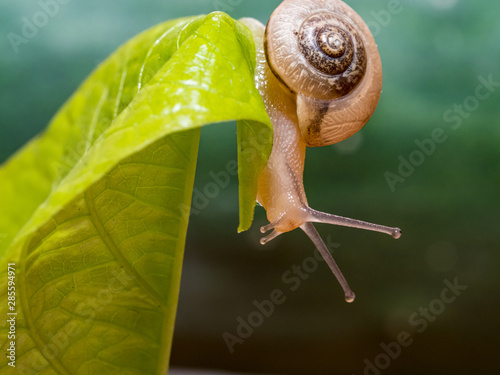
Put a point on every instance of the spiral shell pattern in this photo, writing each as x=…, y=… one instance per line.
x=335, y=48
x=318, y=52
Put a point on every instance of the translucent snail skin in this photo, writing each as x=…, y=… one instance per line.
x=320, y=79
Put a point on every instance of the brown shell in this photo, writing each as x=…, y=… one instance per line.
x=325, y=54
x=335, y=48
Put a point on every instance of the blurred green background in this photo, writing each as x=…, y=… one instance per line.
x=435, y=54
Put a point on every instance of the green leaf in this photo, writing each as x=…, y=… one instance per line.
x=254, y=142
x=94, y=212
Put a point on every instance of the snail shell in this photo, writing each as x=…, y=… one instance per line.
x=324, y=53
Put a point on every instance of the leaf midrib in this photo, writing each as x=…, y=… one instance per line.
x=30, y=326
x=113, y=248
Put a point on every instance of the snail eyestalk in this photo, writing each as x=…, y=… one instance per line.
x=313, y=234
x=322, y=217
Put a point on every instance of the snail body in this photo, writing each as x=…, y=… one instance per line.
x=320, y=77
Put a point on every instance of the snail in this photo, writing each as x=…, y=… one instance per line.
x=320, y=79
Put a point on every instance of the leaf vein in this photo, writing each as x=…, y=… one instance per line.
x=116, y=251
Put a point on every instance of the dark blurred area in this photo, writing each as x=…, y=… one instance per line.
x=428, y=161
